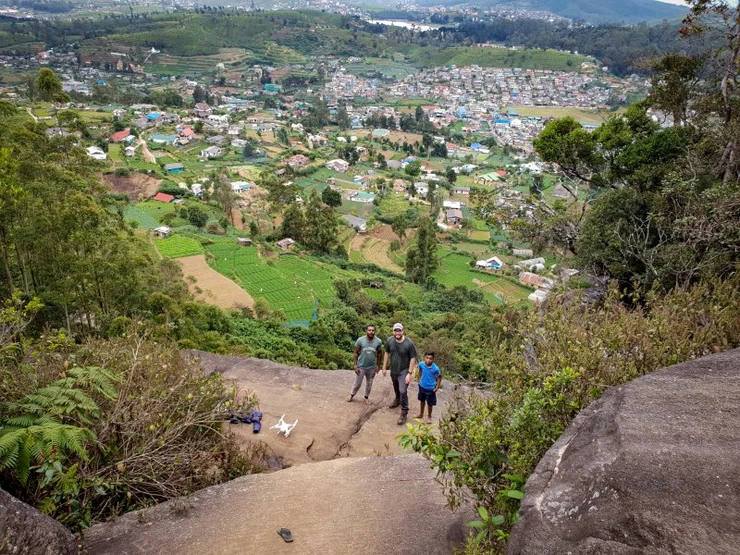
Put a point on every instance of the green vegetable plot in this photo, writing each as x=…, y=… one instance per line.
x=289, y=283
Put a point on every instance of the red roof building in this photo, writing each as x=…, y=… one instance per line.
x=164, y=197
x=120, y=136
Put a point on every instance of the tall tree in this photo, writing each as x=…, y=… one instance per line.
x=400, y=224
x=343, y=118
x=421, y=259
x=331, y=197
x=49, y=87
x=322, y=225
x=200, y=94
x=294, y=222
x=225, y=196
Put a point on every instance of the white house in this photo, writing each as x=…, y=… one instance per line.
x=491, y=263
x=96, y=153
x=212, y=152
x=539, y=296
x=162, y=231
x=421, y=188
x=239, y=186
x=356, y=223
x=338, y=165
x=453, y=204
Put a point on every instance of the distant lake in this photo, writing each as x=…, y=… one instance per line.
x=404, y=24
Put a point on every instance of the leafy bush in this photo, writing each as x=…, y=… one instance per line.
x=545, y=367
x=131, y=424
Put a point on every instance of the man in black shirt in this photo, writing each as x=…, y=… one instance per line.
x=402, y=353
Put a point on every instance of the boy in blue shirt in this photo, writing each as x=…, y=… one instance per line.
x=430, y=379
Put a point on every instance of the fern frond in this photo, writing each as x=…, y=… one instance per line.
x=9, y=445
x=56, y=399
x=23, y=463
x=96, y=379
x=20, y=447
x=23, y=421
x=66, y=438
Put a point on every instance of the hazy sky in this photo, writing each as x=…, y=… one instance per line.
x=677, y=2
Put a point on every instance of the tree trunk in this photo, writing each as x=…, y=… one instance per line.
x=6, y=264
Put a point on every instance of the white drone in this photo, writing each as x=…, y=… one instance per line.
x=283, y=426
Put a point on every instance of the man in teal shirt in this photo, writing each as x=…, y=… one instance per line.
x=368, y=350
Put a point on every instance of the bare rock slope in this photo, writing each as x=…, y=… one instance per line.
x=364, y=505
x=328, y=427
x=651, y=468
x=26, y=531
x=348, y=488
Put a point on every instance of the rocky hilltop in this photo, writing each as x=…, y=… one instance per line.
x=346, y=487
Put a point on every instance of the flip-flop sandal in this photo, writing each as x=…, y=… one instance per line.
x=285, y=534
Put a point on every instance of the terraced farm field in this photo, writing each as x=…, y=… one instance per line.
x=375, y=251
x=288, y=282
x=167, y=64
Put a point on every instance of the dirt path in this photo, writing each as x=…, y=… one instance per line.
x=154, y=246
x=212, y=287
x=148, y=156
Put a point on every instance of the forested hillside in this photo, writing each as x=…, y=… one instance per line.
x=101, y=414
x=280, y=37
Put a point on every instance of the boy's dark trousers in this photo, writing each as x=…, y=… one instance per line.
x=401, y=390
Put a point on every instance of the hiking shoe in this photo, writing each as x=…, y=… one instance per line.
x=402, y=419
x=394, y=404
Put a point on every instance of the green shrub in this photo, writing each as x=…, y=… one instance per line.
x=133, y=424
x=546, y=366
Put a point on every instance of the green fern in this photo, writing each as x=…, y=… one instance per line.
x=47, y=422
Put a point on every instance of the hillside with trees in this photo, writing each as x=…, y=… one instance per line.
x=290, y=36
x=101, y=412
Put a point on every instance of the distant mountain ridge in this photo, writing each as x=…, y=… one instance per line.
x=592, y=11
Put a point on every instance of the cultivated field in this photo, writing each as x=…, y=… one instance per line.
x=212, y=287
x=288, y=282
x=374, y=251
x=178, y=246
x=455, y=270
x=560, y=112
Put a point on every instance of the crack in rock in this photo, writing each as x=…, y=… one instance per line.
x=366, y=415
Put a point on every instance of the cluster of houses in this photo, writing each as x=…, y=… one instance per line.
x=475, y=91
